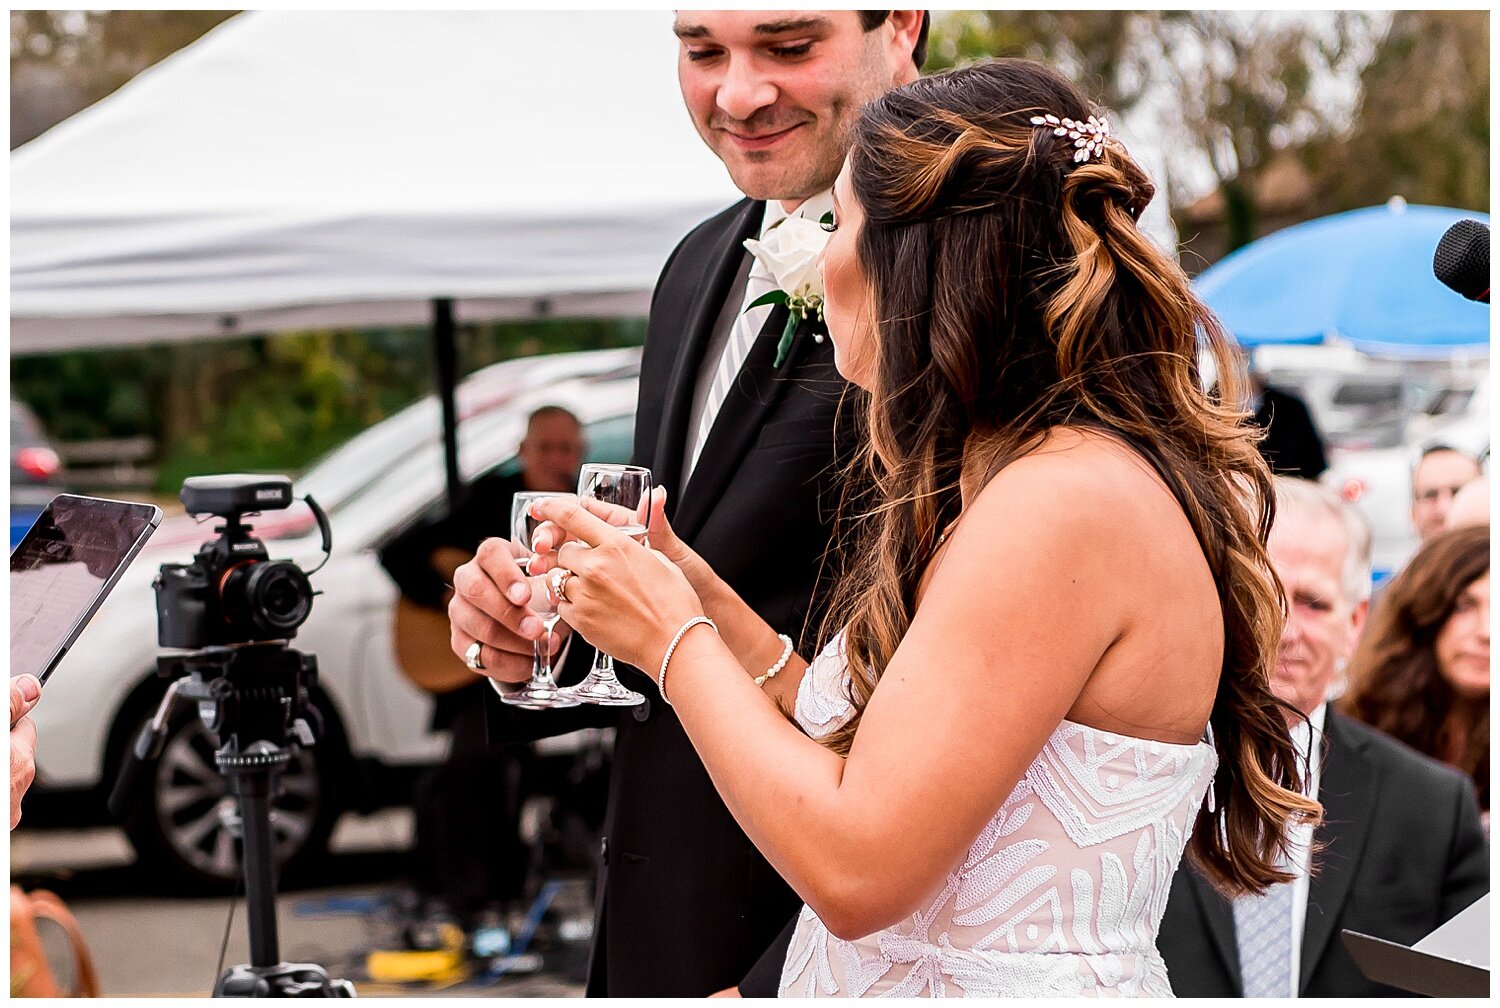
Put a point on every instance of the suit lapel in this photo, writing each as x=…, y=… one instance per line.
x=751, y=396
x=1347, y=790
x=707, y=301
x=1220, y=920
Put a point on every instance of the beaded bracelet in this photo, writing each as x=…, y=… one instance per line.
x=661, y=677
x=786, y=655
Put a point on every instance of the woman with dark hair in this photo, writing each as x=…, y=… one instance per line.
x=1422, y=670
x=1055, y=617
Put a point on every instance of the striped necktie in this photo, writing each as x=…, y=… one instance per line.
x=1263, y=931
x=742, y=334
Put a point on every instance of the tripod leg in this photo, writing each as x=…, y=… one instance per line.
x=260, y=866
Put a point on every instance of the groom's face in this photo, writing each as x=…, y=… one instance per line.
x=774, y=93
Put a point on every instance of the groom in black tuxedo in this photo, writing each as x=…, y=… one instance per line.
x=747, y=449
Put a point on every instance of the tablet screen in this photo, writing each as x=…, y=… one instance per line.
x=62, y=570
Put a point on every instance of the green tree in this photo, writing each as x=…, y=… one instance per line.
x=270, y=402
x=1231, y=89
x=1247, y=86
x=1423, y=126
x=1102, y=50
x=62, y=61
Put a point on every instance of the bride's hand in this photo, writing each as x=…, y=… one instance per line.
x=550, y=537
x=625, y=599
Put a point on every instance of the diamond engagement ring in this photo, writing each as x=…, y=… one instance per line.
x=560, y=577
x=471, y=657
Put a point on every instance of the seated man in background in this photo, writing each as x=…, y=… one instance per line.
x=1439, y=474
x=1400, y=849
x=471, y=861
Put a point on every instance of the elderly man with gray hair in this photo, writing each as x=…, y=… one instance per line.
x=1400, y=849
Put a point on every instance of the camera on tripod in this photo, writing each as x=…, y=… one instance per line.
x=233, y=609
x=233, y=592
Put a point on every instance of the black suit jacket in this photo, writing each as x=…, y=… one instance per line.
x=1403, y=852
x=688, y=905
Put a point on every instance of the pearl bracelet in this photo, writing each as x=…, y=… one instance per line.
x=786, y=655
x=661, y=677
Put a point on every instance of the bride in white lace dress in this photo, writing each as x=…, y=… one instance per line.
x=1045, y=677
x=1060, y=895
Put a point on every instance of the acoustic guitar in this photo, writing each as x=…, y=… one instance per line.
x=423, y=635
x=422, y=638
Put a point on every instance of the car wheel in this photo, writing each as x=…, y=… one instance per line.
x=184, y=821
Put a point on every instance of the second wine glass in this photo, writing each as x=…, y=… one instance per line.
x=627, y=489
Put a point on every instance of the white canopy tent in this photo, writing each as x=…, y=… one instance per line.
x=297, y=169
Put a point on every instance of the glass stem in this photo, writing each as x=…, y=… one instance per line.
x=542, y=677
x=604, y=668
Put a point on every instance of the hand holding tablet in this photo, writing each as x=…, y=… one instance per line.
x=62, y=570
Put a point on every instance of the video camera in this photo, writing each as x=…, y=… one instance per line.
x=233, y=592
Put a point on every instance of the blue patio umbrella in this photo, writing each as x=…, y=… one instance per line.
x=1362, y=278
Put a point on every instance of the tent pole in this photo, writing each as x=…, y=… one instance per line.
x=446, y=356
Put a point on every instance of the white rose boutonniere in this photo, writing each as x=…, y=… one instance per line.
x=789, y=252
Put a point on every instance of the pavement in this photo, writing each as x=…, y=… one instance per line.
x=146, y=943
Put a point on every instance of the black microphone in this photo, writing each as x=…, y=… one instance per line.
x=1462, y=260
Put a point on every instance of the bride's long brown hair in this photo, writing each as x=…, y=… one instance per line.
x=1014, y=293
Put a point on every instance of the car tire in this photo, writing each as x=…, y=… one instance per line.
x=183, y=820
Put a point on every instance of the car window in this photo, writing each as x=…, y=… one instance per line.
x=1367, y=393
x=346, y=473
x=1449, y=400
x=1288, y=382
x=610, y=440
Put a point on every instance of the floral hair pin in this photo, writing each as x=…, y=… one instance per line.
x=1089, y=137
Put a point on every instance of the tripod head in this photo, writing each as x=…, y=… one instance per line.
x=253, y=697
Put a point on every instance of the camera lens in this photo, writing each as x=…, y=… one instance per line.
x=273, y=596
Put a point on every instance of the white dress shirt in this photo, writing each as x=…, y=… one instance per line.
x=1308, y=738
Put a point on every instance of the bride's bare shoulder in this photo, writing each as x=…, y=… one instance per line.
x=1078, y=492
x=1080, y=464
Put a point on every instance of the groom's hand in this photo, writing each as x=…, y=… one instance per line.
x=489, y=605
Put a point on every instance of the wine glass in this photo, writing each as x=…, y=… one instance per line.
x=627, y=489
x=542, y=691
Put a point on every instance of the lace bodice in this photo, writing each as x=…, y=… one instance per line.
x=1061, y=894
